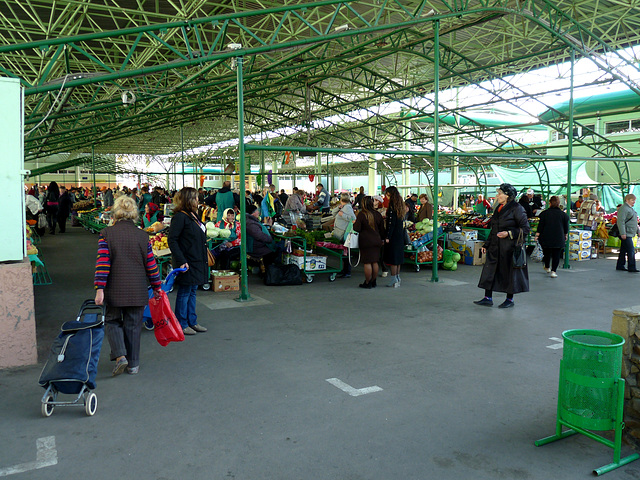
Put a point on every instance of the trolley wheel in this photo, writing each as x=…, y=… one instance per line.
x=90, y=404
x=206, y=286
x=47, y=408
x=417, y=268
x=309, y=278
x=332, y=277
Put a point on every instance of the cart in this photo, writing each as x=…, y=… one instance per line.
x=73, y=362
x=307, y=268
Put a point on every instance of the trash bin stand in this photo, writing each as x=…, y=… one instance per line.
x=617, y=385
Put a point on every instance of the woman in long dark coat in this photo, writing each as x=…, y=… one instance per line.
x=509, y=220
x=394, y=242
x=370, y=225
x=188, y=244
x=552, y=235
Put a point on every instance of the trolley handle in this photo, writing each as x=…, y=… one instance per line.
x=91, y=305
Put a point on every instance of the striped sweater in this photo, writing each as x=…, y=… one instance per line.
x=103, y=266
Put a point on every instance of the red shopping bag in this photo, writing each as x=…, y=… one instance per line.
x=165, y=324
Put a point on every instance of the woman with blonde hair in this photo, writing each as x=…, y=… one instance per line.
x=123, y=265
x=188, y=244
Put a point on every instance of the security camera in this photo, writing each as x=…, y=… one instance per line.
x=234, y=46
x=341, y=28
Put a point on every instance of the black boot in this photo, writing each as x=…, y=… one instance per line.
x=365, y=285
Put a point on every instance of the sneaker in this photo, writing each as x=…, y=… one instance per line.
x=553, y=275
x=120, y=366
x=344, y=275
x=507, y=304
x=133, y=370
x=485, y=302
x=384, y=274
x=199, y=328
x=547, y=269
x=188, y=331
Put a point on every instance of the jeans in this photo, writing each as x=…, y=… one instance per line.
x=186, y=305
x=627, y=249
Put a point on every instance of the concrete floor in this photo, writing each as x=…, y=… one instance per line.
x=465, y=390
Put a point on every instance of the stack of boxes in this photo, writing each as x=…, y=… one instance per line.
x=580, y=245
x=466, y=243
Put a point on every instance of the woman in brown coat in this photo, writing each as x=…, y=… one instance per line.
x=123, y=265
x=370, y=225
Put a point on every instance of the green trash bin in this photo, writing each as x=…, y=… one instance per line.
x=590, y=391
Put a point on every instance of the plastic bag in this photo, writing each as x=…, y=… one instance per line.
x=537, y=253
x=166, y=325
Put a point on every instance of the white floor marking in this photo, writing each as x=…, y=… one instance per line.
x=448, y=282
x=555, y=346
x=354, y=392
x=46, y=456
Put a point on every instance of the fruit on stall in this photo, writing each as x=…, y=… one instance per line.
x=159, y=242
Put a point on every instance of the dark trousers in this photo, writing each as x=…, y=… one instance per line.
x=224, y=257
x=551, y=256
x=124, y=325
x=489, y=294
x=62, y=222
x=627, y=250
x=52, y=218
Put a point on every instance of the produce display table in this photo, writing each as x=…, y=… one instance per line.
x=309, y=273
x=413, y=257
x=91, y=220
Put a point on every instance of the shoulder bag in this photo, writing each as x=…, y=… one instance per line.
x=519, y=253
x=352, y=240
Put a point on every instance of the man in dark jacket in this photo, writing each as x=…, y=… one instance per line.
x=527, y=203
x=283, y=197
x=411, y=203
x=64, y=209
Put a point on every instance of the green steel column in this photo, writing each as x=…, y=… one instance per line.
x=93, y=171
x=182, y=150
x=244, y=287
x=569, y=154
x=436, y=139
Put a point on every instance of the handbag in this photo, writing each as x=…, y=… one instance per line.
x=42, y=220
x=165, y=324
x=537, y=255
x=352, y=240
x=519, y=253
x=211, y=259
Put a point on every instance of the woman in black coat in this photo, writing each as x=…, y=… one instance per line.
x=552, y=234
x=188, y=244
x=393, y=254
x=508, y=223
x=51, y=199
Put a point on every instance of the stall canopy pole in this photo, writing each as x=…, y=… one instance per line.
x=182, y=151
x=436, y=139
x=569, y=154
x=244, y=287
x=93, y=171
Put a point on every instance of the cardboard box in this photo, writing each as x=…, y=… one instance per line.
x=579, y=235
x=460, y=247
x=314, y=262
x=161, y=253
x=227, y=283
x=580, y=256
x=469, y=235
x=579, y=245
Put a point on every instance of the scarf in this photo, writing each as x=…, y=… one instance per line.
x=153, y=208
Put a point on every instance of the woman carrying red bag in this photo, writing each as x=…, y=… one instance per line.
x=123, y=265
